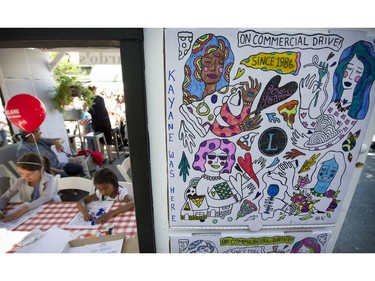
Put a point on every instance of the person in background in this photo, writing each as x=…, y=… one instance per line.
x=85, y=122
x=107, y=188
x=29, y=143
x=47, y=165
x=35, y=187
x=121, y=118
x=100, y=120
x=3, y=126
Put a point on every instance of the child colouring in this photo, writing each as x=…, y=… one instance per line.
x=107, y=188
x=35, y=187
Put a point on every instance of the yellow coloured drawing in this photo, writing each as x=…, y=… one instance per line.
x=282, y=63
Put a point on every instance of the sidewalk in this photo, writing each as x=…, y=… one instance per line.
x=358, y=231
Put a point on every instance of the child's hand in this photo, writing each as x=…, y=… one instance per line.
x=87, y=217
x=103, y=218
x=16, y=214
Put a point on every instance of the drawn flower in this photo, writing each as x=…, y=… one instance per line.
x=304, y=203
x=331, y=194
x=302, y=181
x=304, y=207
x=333, y=205
x=298, y=198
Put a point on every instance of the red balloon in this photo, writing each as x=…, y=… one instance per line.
x=26, y=112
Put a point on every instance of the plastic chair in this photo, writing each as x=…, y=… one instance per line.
x=95, y=136
x=129, y=186
x=118, y=140
x=74, y=183
x=5, y=172
x=125, y=169
x=14, y=166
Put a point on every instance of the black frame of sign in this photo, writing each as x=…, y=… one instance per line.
x=130, y=43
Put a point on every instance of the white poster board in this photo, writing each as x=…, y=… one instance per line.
x=264, y=127
x=247, y=242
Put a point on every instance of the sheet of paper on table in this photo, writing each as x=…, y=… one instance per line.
x=53, y=241
x=9, y=238
x=95, y=208
x=13, y=224
x=108, y=247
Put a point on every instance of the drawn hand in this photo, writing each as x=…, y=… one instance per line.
x=293, y=154
x=186, y=137
x=249, y=93
x=251, y=123
x=284, y=172
x=237, y=184
x=307, y=87
x=322, y=71
x=290, y=209
x=259, y=164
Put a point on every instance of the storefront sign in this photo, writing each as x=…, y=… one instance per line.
x=99, y=58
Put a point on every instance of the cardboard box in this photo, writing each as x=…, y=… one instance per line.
x=96, y=240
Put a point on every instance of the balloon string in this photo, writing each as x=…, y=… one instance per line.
x=37, y=148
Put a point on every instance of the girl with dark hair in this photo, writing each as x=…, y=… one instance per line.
x=35, y=187
x=107, y=188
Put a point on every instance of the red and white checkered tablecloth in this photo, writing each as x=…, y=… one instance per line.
x=84, y=122
x=60, y=215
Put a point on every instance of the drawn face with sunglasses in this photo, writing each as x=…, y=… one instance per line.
x=215, y=156
x=215, y=161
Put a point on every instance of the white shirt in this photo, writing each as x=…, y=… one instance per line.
x=122, y=192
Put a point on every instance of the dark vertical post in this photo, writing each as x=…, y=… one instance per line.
x=132, y=60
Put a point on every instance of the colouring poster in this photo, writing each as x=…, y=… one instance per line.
x=243, y=241
x=264, y=127
x=95, y=209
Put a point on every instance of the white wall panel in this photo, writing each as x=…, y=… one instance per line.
x=16, y=65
